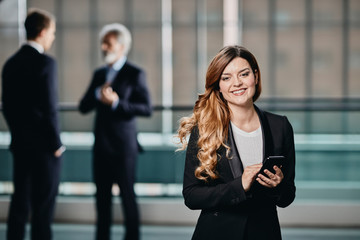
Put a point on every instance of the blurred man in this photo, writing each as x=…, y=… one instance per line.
x=29, y=99
x=118, y=93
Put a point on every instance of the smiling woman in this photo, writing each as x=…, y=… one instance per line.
x=229, y=139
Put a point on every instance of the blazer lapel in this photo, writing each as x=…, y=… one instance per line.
x=268, y=144
x=234, y=161
x=120, y=79
x=102, y=77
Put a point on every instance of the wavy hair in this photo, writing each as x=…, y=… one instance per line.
x=211, y=112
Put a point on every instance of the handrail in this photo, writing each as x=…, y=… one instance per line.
x=271, y=104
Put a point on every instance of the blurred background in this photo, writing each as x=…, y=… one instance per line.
x=309, y=56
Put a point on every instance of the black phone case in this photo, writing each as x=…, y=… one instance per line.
x=270, y=162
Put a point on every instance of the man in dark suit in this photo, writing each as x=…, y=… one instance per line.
x=118, y=92
x=30, y=108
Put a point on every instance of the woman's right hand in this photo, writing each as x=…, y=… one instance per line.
x=249, y=175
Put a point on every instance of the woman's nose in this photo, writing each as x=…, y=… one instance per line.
x=238, y=81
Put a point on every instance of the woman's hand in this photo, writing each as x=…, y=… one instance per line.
x=272, y=180
x=249, y=175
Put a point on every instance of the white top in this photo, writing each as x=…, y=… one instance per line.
x=249, y=145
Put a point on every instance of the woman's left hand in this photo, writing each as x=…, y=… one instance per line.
x=272, y=180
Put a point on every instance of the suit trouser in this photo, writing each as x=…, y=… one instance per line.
x=120, y=170
x=36, y=181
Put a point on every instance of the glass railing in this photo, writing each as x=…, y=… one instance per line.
x=327, y=141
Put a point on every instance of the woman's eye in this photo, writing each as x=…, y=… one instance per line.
x=225, y=78
x=245, y=74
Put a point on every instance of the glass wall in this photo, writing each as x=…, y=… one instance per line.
x=307, y=49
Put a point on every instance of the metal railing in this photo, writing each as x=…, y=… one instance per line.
x=270, y=104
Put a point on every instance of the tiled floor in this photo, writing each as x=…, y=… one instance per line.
x=86, y=232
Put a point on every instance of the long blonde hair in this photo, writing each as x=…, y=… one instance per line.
x=211, y=113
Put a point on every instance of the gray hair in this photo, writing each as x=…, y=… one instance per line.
x=120, y=31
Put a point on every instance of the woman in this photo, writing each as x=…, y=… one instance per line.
x=229, y=139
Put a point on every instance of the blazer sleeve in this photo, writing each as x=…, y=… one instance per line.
x=138, y=104
x=287, y=187
x=214, y=194
x=50, y=99
x=89, y=101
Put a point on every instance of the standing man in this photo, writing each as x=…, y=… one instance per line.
x=118, y=93
x=29, y=99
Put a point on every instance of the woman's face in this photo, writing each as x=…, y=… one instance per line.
x=238, y=83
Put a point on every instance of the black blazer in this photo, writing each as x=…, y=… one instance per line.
x=227, y=211
x=115, y=130
x=29, y=97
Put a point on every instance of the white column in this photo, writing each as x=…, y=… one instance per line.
x=21, y=19
x=201, y=44
x=240, y=22
x=167, y=65
x=231, y=23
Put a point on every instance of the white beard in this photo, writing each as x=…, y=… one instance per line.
x=110, y=58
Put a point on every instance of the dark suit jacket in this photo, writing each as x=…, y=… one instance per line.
x=227, y=211
x=29, y=97
x=115, y=130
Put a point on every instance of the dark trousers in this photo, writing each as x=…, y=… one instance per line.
x=120, y=170
x=36, y=181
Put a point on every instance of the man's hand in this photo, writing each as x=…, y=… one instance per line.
x=60, y=151
x=108, y=96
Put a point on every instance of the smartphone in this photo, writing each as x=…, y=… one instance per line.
x=270, y=162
